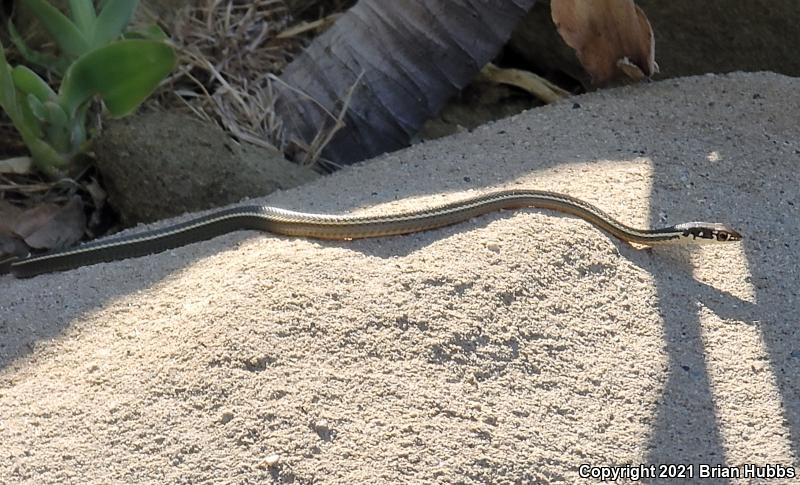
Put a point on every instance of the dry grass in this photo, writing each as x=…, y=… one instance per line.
x=229, y=54
x=241, y=37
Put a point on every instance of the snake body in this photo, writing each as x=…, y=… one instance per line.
x=324, y=226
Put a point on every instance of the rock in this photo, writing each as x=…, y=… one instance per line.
x=323, y=429
x=159, y=165
x=271, y=461
x=691, y=38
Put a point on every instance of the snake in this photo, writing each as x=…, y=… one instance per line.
x=346, y=227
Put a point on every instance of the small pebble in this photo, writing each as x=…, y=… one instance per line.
x=321, y=426
x=493, y=247
x=272, y=460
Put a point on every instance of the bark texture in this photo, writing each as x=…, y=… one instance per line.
x=394, y=64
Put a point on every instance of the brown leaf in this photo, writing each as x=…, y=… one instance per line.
x=9, y=215
x=98, y=194
x=528, y=81
x=10, y=244
x=49, y=226
x=612, y=38
x=99, y=197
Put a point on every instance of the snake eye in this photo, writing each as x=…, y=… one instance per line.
x=722, y=236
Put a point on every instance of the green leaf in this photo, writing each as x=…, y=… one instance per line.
x=45, y=156
x=151, y=32
x=69, y=39
x=112, y=20
x=56, y=114
x=56, y=64
x=37, y=108
x=32, y=126
x=58, y=128
x=84, y=16
x=29, y=82
x=8, y=91
x=19, y=112
x=77, y=135
x=123, y=73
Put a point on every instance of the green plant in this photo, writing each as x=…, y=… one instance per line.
x=122, y=72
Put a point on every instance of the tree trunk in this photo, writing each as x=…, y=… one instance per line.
x=393, y=64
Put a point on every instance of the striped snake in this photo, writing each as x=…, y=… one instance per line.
x=323, y=226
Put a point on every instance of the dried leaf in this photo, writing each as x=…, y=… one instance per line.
x=530, y=82
x=99, y=197
x=10, y=244
x=632, y=70
x=52, y=227
x=9, y=215
x=612, y=38
x=33, y=219
x=18, y=165
x=97, y=193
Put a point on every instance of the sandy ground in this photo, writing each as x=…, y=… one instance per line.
x=511, y=348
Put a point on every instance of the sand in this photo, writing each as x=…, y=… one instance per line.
x=515, y=347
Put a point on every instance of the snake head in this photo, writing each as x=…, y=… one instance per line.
x=708, y=232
